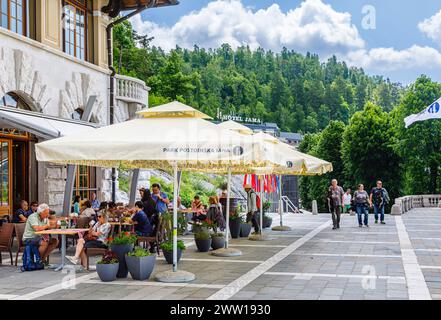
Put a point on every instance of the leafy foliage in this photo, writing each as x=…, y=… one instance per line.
x=368, y=151
x=109, y=257
x=139, y=252
x=296, y=91
x=124, y=238
x=168, y=245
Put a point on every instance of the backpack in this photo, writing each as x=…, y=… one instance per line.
x=31, y=259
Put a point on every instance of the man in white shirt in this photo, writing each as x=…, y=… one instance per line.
x=347, y=198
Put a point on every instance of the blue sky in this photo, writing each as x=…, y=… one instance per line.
x=406, y=40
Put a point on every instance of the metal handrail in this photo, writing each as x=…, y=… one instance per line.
x=288, y=204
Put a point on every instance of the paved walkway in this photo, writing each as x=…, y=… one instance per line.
x=399, y=260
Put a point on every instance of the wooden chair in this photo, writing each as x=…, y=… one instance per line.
x=90, y=252
x=19, y=230
x=158, y=238
x=6, y=240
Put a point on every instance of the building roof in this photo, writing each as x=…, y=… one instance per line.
x=114, y=7
x=291, y=136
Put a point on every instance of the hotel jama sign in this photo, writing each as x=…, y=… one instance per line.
x=238, y=118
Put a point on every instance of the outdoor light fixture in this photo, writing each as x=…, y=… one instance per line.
x=114, y=7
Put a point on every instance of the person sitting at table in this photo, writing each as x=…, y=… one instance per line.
x=197, y=204
x=96, y=237
x=215, y=214
x=143, y=228
x=22, y=214
x=95, y=202
x=88, y=210
x=33, y=207
x=76, y=205
x=38, y=221
x=180, y=205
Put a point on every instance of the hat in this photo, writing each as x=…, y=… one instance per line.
x=247, y=186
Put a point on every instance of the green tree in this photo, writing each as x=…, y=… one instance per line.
x=419, y=145
x=326, y=146
x=368, y=153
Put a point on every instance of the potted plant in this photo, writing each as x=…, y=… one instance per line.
x=217, y=240
x=267, y=220
x=107, y=267
x=167, y=250
x=203, y=240
x=121, y=245
x=245, y=228
x=234, y=224
x=140, y=263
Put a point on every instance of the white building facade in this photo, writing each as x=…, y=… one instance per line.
x=53, y=59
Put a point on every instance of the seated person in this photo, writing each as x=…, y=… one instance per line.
x=21, y=215
x=39, y=222
x=76, y=205
x=143, y=227
x=33, y=207
x=95, y=238
x=179, y=204
x=215, y=214
x=95, y=202
x=197, y=204
x=88, y=210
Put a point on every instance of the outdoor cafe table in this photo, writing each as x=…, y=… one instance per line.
x=63, y=233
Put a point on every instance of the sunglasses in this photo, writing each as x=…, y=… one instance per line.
x=100, y=216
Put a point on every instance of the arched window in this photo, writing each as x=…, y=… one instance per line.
x=14, y=100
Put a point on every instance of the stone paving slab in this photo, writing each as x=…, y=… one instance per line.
x=328, y=266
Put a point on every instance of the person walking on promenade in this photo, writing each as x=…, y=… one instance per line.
x=335, y=200
x=347, y=198
x=362, y=202
x=379, y=198
x=252, y=206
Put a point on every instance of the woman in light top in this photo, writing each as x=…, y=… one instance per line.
x=96, y=238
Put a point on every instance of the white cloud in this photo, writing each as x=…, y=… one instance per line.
x=313, y=26
x=431, y=27
x=387, y=59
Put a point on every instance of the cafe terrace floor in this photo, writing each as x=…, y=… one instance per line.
x=399, y=260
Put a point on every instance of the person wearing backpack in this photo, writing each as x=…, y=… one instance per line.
x=253, y=206
x=38, y=221
x=379, y=198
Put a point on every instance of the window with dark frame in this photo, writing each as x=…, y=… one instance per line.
x=14, y=15
x=75, y=28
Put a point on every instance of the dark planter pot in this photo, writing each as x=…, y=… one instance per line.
x=141, y=268
x=234, y=203
x=235, y=228
x=203, y=245
x=168, y=255
x=267, y=221
x=121, y=250
x=107, y=272
x=217, y=242
x=245, y=230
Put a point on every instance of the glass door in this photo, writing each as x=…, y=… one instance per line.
x=5, y=176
